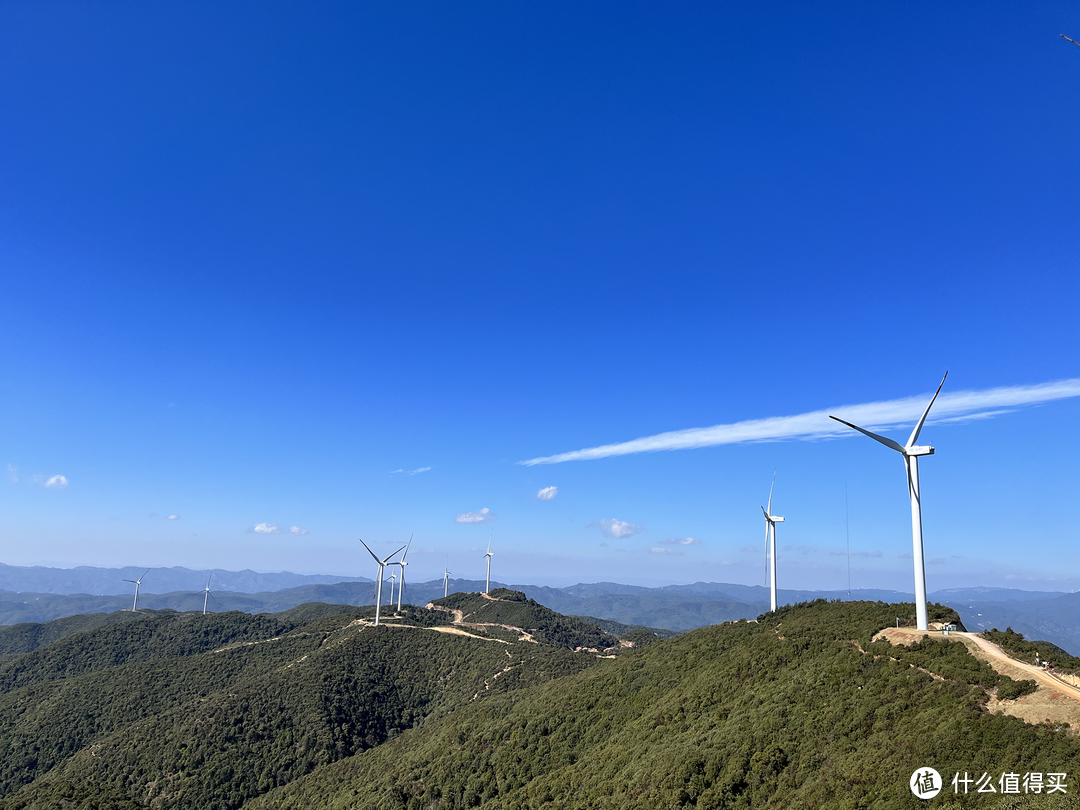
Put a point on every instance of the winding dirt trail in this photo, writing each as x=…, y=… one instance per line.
x=1053, y=702
x=1038, y=674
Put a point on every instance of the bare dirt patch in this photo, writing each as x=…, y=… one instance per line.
x=457, y=631
x=1054, y=701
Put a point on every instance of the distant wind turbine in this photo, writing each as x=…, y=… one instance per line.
x=446, y=580
x=206, y=594
x=489, y=555
x=401, y=584
x=911, y=453
x=392, y=578
x=137, y=583
x=770, y=537
x=379, y=579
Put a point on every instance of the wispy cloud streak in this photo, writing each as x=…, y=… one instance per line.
x=950, y=407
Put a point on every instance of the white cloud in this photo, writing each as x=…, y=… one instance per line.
x=299, y=531
x=682, y=541
x=672, y=551
x=417, y=471
x=12, y=474
x=617, y=529
x=265, y=528
x=480, y=516
x=876, y=416
x=547, y=493
x=172, y=517
x=56, y=482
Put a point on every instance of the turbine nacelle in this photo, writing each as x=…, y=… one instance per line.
x=925, y=450
x=771, y=518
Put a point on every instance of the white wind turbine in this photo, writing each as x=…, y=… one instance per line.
x=489, y=555
x=206, y=593
x=403, y=563
x=911, y=453
x=392, y=578
x=379, y=579
x=137, y=583
x=446, y=579
x=770, y=537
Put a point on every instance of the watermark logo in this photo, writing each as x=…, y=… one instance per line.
x=926, y=783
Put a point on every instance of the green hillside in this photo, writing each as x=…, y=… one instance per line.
x=191, y=711
x=507, y=608
x=316, y=708
x=796, y=710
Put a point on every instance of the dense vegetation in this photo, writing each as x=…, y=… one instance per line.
x=638, y=635
x=315, y=708
x=1016, y=646
x=514, y=609
x=799, y=709
x=188, y=711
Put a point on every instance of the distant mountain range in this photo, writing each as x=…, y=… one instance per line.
x=85, y=579
x=40, y=594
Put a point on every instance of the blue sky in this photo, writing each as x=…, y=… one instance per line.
x=256, y=258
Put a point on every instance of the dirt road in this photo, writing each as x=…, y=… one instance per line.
x=1038, y=674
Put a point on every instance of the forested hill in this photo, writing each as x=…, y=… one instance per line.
x=513, y=611
x=467, y=706
x=203, y=712
x=799, y=709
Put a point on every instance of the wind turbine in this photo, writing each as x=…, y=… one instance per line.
x=770, y=535
x=137, y=583
x=206, y=593
x=378, y=593
x=911, y=453
x=489, y=555
x=446, y=580
x=402, y=563
x=392, y=578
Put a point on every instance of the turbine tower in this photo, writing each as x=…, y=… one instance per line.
x=392, y=578
x=401, y=583
x=911, y=453
x=770, y=537
x=137, y=583
x=489, y=555
x=445, y=582
x=206, y=593
x=378, y=579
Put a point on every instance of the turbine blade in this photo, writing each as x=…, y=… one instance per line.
x=918, y=428
x=369, y=551
x=887, y=442
x=129, y=580
x=770, y=491
x=387, y=560
x=208, y=580
x=407, y=547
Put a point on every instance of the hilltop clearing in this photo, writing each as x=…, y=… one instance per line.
x=526, y=620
